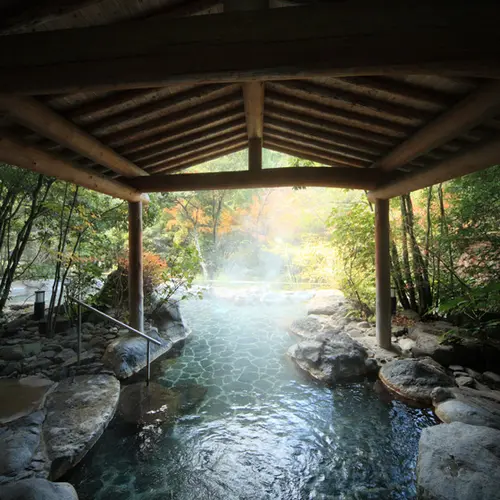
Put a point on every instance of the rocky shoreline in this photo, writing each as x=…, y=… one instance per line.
x=458, y=459
x=54, y=409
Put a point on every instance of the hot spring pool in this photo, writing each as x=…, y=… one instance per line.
x=263, y=431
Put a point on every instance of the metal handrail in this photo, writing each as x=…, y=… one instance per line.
x=117, y=322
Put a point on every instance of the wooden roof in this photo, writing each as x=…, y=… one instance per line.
x=117, y=94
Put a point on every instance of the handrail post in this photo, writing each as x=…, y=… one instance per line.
x=79, y=333
x=148, y=367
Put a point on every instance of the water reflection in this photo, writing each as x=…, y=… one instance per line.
x=262, y=431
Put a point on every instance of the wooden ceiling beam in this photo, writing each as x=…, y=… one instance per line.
x=153, y=144
x=34, y=115
x=301, y=147
x=353, y=102
x=226, y=104
x=340, y=116
x=235, y=141
x=188, y=149
x=342, y=143
x=341, y=39
x=334, y=153
x=15, y=151
x=331, y=128
x=206, y=157
x=476, y=158
x=269, y=177
x=477, y=107
x=253, y=97
x=188, y=141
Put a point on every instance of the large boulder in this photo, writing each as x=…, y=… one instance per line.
x=459, y=462
x=414, y=379
x=78, y=412
x=469, y=406
x=150, y=404
x=22, y=453
x=127, y=354
x=37, y=489
x=332, y=359
x=313, y=325
x=427, y=341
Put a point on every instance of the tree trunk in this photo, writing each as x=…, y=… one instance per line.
x=397, y=277
x=406, y=258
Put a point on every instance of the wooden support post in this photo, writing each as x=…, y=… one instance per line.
x=135, y=277
x=255, y=154
x=383, y=274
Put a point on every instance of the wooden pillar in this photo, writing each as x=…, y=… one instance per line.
x=255, y=154
x=383, y=273
x=135, y=278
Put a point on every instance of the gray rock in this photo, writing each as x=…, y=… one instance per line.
x=406, y=346
x=78, y=411
x=399, y=331
x=491, y=378
x=468, y=406
x=459, y=462
x=12, y=353
x=37, y=489
x=332, y=359
x=64, y=355
x=19, y=442
x=414, y=379
x=326, y=302
x=456, y=368
x=32, y=349
x=164, y=314
x=313, y=325
x=473, y=373
x=427, y=341
x=410, y=314
x=363, y=324
x=465, y=381
x=11, y=368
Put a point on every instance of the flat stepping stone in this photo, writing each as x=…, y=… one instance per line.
x=467, y=406
x=20, y=397
x=459, y=462
x=312, y=326
x=415, y=379
x=78, y=412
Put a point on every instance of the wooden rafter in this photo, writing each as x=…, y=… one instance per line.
x=276, y=177
x=471, y=111
x=245, y=46
x=41, y=119
x=253, y=97
x=14, y=151
x=476, y=158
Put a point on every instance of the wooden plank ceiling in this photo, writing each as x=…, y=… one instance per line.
x=377, y=131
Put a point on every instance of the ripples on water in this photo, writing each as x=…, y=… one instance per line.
x=263, y=431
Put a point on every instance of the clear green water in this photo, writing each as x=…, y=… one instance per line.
x=263, y=431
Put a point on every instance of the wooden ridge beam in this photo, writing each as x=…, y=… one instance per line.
x=356, y=149
x=36, y=116
x=14, y=151
x=231, y=103
x=329, y=127
x=272, y=177
x=218, y=149
x=191, y=141
x=188, y=149
x=476, y=158
x=336, y=115
x=471, y=111
x=342, y=39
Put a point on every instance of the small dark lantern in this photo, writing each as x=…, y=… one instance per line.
x=39, y=304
